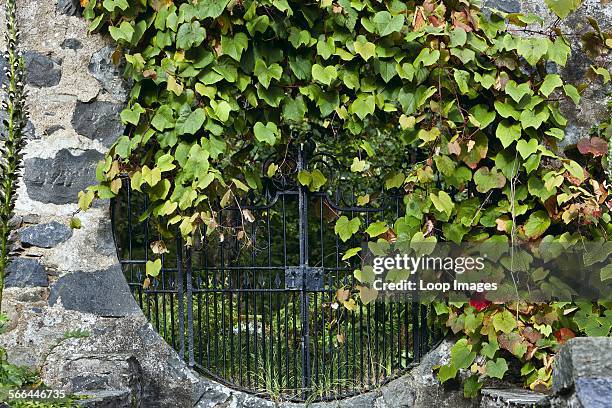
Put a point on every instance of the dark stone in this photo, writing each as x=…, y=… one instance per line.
x=72, y=44
x=45, y=235
x=582, y=357
x=98, y=120
x=508, y=6
x=594, y=392
x=108, y=74
x=41, y=70
x=58, y=180
x=24, y=272
x=103, y=293
x=68, y=7
x=53, y=129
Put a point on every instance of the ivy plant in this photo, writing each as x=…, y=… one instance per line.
x=219, y=84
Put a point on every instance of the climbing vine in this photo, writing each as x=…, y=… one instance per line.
x=219, y=84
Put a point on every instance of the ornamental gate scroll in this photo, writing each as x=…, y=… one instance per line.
x=257, y=309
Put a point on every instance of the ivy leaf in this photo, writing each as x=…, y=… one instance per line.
x=111, y=5
x=265, y=73
x=153, y=268
x=364, y=48
x=447, y=372
x=458, y=37
x=325, y=75
x=165, y=162
x=427, y=57
x=508, y=163
x=377, y=228
x=351, y=253
x=163, y=118
x=486, y=179
x=132, y=115
x=550, y=83
x=267, y=133
x=345, y=228
x=471, y=386
x=190, y=35
x=506, y=110
x=122, y=33
x=443, y=202
x=504, y=321
x=537, y=224
x=317, y=181
x=234, y=46
x=527, y=148
x=386, y=23
x=462, y=78
x=193, y=122
x=359, y=165
x=558, y=51
x=508, y=133
x=482, y=115
x=562, y=8
x=326, y=47
x=210, y=8
x=497, y=368
x=530, y=118
x=489, y=348
x=517, y=92
x=294, y=109
x=532, y=49
x=462, y=355
x=222, y=109
x=572, y=92
x=363, y=106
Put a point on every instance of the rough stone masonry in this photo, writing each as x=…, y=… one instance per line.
x=67, y=281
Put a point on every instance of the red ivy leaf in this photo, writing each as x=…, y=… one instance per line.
x=564, y=334
x=595, y=146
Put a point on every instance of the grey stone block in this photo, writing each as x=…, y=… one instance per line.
x=108, y=74
x=58, y=180
x=103, y=293
x=45, y=235
x=41, y=70
x=582, y=357
x=68, y=7
x=23, y=272
x=98, y=120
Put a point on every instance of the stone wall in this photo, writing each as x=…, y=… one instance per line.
x=71, y=313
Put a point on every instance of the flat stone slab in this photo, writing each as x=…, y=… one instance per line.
x=25, y=272
x=98, y=120
x=59, y=179
x=46, y=235
x=512, y=397
x=103, y=293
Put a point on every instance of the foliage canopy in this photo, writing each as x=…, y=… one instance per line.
x=219, y=84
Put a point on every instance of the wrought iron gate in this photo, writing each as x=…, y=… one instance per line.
x=258, y=308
